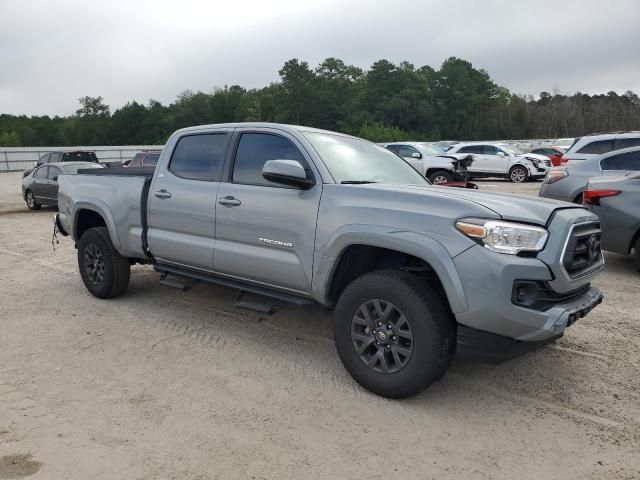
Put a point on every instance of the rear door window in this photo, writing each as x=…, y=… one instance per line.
x=624, y=161
x=254, y=149
x=598, y=147
x=477, y=149
x=627, y=142
x=199, y=157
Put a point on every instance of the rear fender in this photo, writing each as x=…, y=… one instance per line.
x=102, y=209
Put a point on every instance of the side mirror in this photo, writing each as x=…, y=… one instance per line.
x=36, y=164
x=416, y=155
x=55, y=178
x=501, y=154
x=287, y=172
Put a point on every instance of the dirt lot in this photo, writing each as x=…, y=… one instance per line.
x=161, y=383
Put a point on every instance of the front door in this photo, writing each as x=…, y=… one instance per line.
x=265, y=232
x=407, y=152
x=50, y=188
x=181, y=208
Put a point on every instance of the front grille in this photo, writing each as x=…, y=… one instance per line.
x=582, y=252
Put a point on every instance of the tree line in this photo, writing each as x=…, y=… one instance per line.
x=387, y=102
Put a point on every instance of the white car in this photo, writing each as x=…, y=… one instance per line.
x=502, y=160
x=431, y=161
x=591, y=146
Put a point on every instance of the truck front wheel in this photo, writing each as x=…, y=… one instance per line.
x=394, y=333
x=104, y=271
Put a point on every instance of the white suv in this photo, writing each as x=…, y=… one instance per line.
x=502, y=160
x=594, y=145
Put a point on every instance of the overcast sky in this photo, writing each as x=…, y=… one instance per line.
x=53, y=52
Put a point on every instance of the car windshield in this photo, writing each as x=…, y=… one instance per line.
x=429, y=149
x=353, y=160
x=74, y=168
x=511, y=150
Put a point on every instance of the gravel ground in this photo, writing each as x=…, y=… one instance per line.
x=161, y=383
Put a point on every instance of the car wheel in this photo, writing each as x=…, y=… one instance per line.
x=104, y=271
x=440, y=177
x=518, y=174
x=394, y=333
x=32, y=204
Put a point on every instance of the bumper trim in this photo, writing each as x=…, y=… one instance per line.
x=488, y=347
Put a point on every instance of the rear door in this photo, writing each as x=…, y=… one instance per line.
x=182, y=200
x=38, y=187
x=265, y=232
x=50, y=188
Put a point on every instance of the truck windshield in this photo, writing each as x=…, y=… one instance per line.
x=352, y=160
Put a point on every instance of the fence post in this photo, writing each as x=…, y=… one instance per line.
x=6, y=159
x=120, y=151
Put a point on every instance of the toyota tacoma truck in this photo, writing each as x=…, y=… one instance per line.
x=415, y=273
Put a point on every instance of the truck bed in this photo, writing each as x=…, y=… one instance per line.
x=117, y=194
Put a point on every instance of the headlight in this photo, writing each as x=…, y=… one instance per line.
x=504, y=237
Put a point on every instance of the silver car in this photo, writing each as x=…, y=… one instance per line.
x=568, y=182
x=431, y=161
x=616, y=200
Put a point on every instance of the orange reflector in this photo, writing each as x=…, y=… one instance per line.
x=471, y=230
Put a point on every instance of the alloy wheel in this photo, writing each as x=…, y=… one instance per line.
x=94, y=264
x=382, y=336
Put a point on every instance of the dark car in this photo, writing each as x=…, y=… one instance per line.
x=616, y=200
x=59, y=157
x=554, y=154
x=145, y=158
x=40, y=187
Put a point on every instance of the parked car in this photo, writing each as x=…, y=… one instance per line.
x=563, y=143
x=501, y=160
x=40, y=187
x=145, y=158
x=553, y=153
x=590, y=146
x=60, y=157
x=616, y=201
x=316, y=217
x=569, y=181
x=432, y=162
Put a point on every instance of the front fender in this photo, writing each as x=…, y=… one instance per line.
x=103, y=210
x=418, y=245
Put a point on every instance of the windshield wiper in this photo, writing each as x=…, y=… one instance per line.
x=356, y=182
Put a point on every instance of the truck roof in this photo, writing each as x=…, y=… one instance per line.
x=280, y=126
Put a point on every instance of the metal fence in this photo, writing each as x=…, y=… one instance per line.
x=21, y=158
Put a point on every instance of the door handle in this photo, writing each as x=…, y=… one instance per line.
x=162, y=194
x=229, y=202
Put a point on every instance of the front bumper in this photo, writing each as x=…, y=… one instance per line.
x=474, y=344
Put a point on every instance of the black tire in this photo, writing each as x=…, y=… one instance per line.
x=439, y=177
x=32, y=204
x=104, y=271
x=518, y=174
x=637, y=254
x=431, y=326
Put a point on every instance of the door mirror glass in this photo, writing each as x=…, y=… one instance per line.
x=416, y=155
x=287, y=172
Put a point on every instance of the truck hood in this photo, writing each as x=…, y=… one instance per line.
x=518, y=208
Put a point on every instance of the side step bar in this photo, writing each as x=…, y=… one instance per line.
x=165, y=270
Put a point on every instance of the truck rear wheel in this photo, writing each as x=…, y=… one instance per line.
x=104, y=271
x=394, y=333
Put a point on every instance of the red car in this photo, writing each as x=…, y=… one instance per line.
x=554, y=154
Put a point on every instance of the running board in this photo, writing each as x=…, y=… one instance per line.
x=166, y=270
x=180, y=283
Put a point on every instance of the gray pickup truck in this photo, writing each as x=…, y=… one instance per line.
x=415, y=273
